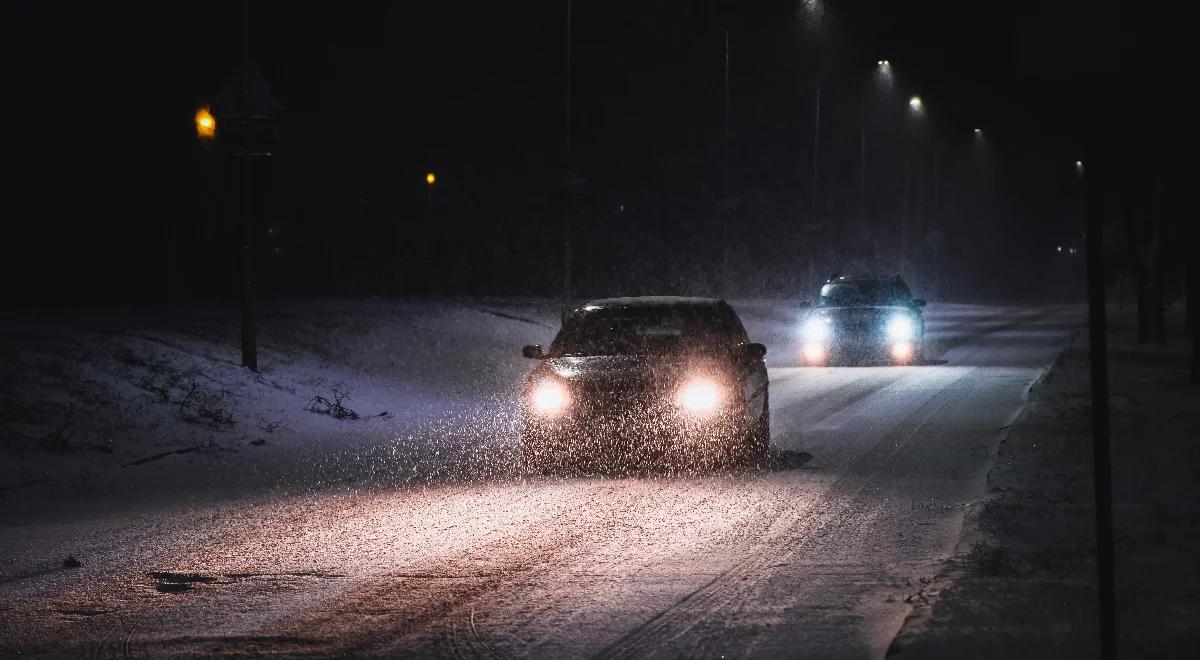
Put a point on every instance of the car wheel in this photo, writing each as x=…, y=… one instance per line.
x=758, y=441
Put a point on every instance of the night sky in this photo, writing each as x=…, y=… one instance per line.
x=113, y=200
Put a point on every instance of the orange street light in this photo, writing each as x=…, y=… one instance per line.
x=206, y=124
x=431, y=178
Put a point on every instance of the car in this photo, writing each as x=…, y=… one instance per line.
x=646, y=377
x=863, y=319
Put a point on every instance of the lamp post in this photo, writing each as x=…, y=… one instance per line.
x=246, y=110
x=206, y=125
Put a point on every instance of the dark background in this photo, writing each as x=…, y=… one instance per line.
x=111, y=198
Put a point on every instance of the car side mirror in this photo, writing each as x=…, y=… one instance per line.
x=919, y=302
x=756, y=351
x=533, y=352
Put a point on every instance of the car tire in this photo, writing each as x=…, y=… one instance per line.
x=758, y=440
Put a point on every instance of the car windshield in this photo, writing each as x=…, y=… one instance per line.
x=645, y=330
x=865, y=292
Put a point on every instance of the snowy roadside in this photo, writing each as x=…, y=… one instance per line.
x=131, y=405
x=1023, y=582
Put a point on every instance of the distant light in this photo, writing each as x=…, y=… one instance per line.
x=1072, y=250
x=814, y=352
x=206, y=124
x=620, y=208
x=979, y=131
x=883, y=63
x=902, y=351
x=431, y=178
x=1059, y=248
x=816, y=329
x=900, y=328
x=916, y=103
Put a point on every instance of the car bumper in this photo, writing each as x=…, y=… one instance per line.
x=630, y=430
x=861, y=349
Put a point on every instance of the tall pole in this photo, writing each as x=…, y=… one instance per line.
x=862, y=177
x=724, y=208
x=249, y=330
x=1193, y=312
x=566, y=274
x=725, y=117
x=936, y=221
x=816, y=155
x=1098, y=354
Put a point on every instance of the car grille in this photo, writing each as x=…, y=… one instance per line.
x=610, y=401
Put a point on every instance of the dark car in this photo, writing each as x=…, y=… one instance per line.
x=646, y=377
x=865, y=319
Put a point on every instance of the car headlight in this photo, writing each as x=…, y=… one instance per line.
x=699, y=396
x=817, y=328
x=549, y=398
x=901, y=328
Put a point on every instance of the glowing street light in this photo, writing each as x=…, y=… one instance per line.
x=883, y=74
x=916, y=104
x=979, y=132
x=206, y=124
x=431, y=178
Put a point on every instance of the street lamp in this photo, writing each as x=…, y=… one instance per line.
x=431, y=178
x=206, y=124
x=916, y=104
x=883, y=74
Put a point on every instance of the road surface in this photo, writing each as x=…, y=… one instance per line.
x=813, y=556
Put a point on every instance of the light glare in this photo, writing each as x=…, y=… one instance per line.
x=814, y=352
x=549, y=398
x=699, y=396
x=816, y=329
x=206, y=124
x=900, y=327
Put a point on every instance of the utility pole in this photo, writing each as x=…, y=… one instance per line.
x=567, y=206
x=725, y=209
x=246, y=130
x=816, y=156
x=1101, y=450
x=862, y=179
x=249, y=327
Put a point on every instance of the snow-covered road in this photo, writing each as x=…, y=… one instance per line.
x=812, y=557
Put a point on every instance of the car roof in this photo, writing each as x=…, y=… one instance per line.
x=647, y=301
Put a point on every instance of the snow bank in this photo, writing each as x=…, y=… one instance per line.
x=1024, y=581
